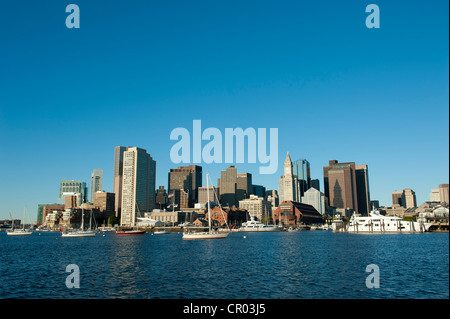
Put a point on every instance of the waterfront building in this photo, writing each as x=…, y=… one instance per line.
x=444, y=193
x=301, y=169
x=96, y=182
x=232, y=216
x=188, y=178
x=45, y=209
x=272, y=198
x=288, y=186
x=138, y=184
x=71, y=187
x=316, y=199
x=256, y=206
x=295, y=213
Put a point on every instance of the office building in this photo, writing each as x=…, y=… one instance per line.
x=316, y=199
x=161, y=197
x=71, y=187
x=138, y=185
x=188, y=178
x=104, y=201
x=96, y=182
x=301, y=169
x=118, y=177
x=405, y=198
x=316, y=184
x=244, y=186
x=256, y=206
x=444, y=193
x=288, y=187
x=203, y=194
x=346, y=186
x=234, y=186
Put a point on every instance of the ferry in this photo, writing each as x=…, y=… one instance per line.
x=378, y=223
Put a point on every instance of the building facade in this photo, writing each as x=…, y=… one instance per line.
x=290, y=213
x=188, y=178
x=316, y=199
x=256, y=206
x=96, y=182
x=301, y=169
x=138, y=185
x=288, y=187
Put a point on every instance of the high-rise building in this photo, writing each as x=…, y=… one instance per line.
x=96, y=182
x=203, y=194
x=362, y=189
x=104, y=201
x=244, y=186
x=397, y=198
x=346, y=186
x=288, y=186
x=70, y=187
x=316, y=184
x=227, y=184
x=138, y=185
x=118, y=177
x=188, y=178
x=301, y=169
x=444, y=193
x=435, y=196
x=316, y=199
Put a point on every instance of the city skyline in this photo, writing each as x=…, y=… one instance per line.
x=131, y=74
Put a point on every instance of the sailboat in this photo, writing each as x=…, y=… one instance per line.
x=210, y=234
x=80, y=232
x=18, y=231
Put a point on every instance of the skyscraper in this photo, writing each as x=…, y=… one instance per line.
x=362, y=189
x=188, y=178
x=138, y=185
x=118, y=177
x=227, y=184
x=316, y=199
x=71, y=187
x=301, y=169
x=405, y=198
x=288, y=186
x=444, y=193
x=340, y=185
x=96, y=182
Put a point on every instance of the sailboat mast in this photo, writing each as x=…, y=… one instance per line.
x=82, y=219
x=207, y=197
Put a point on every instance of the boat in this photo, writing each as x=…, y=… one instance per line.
x=160, y=231
x=256, y=226
x=17, y=231
x=80, y=232
x=378, y=223
x=130, y=232
x=210, y=234
x=337, y=224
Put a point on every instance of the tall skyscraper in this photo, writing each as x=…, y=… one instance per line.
x=288, y=186
x=244, y=186
x=301, y=169
x=227, y=184
x=340, y=185
x=188, y=178
x=362, y=189
x=118, y=177
x=138, y=185
x=96, y=182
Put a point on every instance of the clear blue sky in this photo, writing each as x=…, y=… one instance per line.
x=135, y=70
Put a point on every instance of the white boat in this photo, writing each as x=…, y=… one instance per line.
x=16, y=231
x=210, y=234
x=80, y=232
x=256, y=226
x=376, y=222
x=160, y=231
x=337, y=224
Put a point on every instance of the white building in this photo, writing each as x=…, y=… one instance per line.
x=316, y=199
x=138, y=188
x=256, y=206
x=288, y=186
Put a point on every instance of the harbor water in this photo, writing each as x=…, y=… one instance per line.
x=278, y=265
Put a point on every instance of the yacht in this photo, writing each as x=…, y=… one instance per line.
x=256, y=226
x=337, y=224
x=376, y=222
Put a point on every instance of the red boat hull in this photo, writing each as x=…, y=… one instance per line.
x=131, y=232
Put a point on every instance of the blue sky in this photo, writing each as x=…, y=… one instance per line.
x=135, y=70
